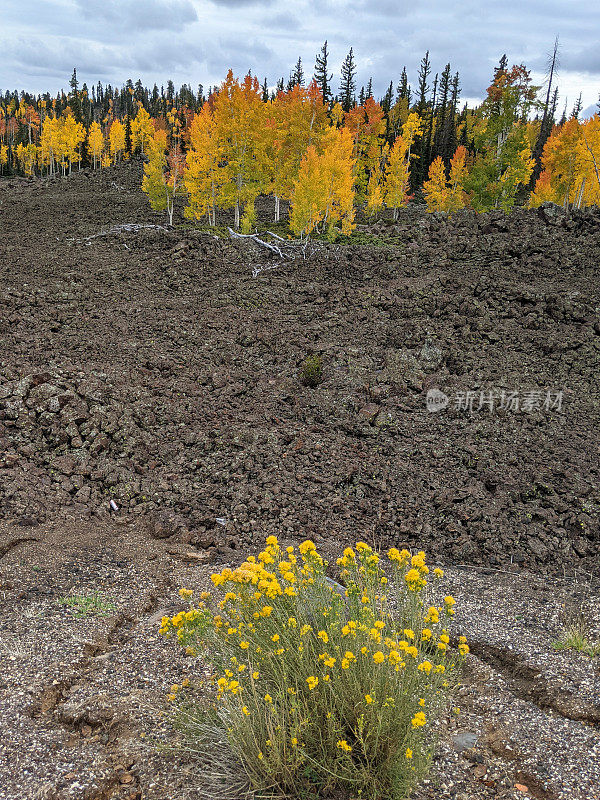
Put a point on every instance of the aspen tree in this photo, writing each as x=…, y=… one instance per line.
x=142, y=130
x=163, y=174
x=117, y=140
x=435, y=187
x=240, y=117
x=324, y=190
x=299, y=120
x=397, y=173
x=203, y=175
x=95, y=143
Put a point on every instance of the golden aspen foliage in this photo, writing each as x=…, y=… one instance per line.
x=95, y=143
x=163, y=174
x=337, y=115
x=3, y=156
x=367, y=127
x=116, y=138
x=203, y=175
x=142, y=130
x=457, y=198
x=27, y=157
x=588, y=162
x=298, y=119
x=240, y=117
x=374, y=192
x=398, y=115
x=324, y=190
x=70, y=137
x=447, y=195
x=435, y=187
x=397, y=172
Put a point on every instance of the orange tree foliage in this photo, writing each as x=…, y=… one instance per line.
x=367, y=127
x=571, y=161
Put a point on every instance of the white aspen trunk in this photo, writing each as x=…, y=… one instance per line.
x=580, y=197
x=236, y=224
x=276, y=208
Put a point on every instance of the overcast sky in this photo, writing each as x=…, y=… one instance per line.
x=196, y=41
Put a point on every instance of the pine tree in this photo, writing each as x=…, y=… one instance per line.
x=297, y=76
x=321, y=75
x=128, y=134
x=547, y=117
x=577, y=108
x=424, y=72
x=386, y=103
x=74, y=101
x=348, y=82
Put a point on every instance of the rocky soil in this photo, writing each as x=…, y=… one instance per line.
x=153, y=424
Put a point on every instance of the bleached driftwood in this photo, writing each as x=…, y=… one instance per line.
x=286, y=249
x=126, y=227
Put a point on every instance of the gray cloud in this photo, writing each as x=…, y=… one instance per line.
x=139, y=15
x=241, y=3
x=116, y=39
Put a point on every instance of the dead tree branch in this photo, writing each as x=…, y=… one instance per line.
x=127, y=227
x=285, y=249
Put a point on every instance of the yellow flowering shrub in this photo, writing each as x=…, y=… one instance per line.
x=319, y=686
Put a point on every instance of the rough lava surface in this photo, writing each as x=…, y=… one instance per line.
x=153, y=426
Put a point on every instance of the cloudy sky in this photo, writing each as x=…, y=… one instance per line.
x=196, y=41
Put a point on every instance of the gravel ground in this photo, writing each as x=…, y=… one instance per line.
x=83, y=692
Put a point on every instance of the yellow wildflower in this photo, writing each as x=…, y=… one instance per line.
x=418, y=720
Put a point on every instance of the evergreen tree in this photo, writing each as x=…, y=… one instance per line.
x=74, y=100
x=424, y=72
x=576, y=108
x=348, y=82
x=547, y=118
x=128, y=134
x=404, y=90
x=265, y=91
x=386, y=103
x=321, y=75
x=297, y=76
x=369, y=92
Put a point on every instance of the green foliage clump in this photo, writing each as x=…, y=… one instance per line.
x=311, y=371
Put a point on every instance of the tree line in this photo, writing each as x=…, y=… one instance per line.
x=327, y=154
